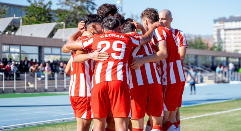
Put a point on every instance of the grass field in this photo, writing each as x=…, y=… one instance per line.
x=16, y=95
x=229, y=121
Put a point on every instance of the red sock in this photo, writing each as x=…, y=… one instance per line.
x=106, y=129
x=156, y=128
x=135, y=129
x=166, y=125
x=148, y=123
x=175, y=124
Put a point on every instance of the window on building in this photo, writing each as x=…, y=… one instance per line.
x=18, y=53
x=220, y=61
x=11, y=52
x=31, y=52
x=203, y=60
x=235, y=61
x=54, y=54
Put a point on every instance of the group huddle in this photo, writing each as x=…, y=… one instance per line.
x=117, y=75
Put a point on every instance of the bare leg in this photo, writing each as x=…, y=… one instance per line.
x=172, y=116
x=156, y=121
x=138, y=123
x=178, y=114
x=166, y=116
x=121, y=124
x=99, y=124
x=83, y=124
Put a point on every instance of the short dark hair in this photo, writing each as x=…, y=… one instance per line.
x=130, y=19
x=107, y=9
x=127, y=27
x=121, y=18
x=92, y=18
x=151, y=14
x=110, y=22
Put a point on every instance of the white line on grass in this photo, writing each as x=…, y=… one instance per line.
x=209, y=102
x=221, y=112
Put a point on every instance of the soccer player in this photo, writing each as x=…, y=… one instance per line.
x=104, y=10
x=165, y=18
x=81, y=75
x=145, y=85
x=170, y=68
x=110, y=90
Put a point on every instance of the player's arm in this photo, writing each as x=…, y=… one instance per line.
x=65, y=50
x=72, y=44
x=160, y=55
x=139, y=26
x=182, y=45
x=67, y=69
x=149, y=34
x=96, y=55
x=182, y=51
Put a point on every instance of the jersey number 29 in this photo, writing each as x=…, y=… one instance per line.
x=114, y=47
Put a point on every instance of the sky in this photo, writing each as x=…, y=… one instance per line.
x=191, y=16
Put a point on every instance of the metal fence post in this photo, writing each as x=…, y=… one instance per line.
x=214, y=77
x=14, y=81
x=238, y=76
x=55, y=78
x=3, y=81
x=35, y=81
x=46, y=81
x=64, y=81
x=25, y=82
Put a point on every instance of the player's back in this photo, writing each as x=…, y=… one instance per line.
x=147, y=73
x=80, y=75
x=171, y=67
x=118, y=46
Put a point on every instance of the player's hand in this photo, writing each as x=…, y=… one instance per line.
x=80, y=32
x=156, y=24
x=81, y=26
x=137, y=63
x=138, y=25
x=98, y=56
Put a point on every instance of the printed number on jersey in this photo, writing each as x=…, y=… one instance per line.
x=114, y=47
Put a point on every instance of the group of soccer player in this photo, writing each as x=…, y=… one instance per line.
x=118, y=75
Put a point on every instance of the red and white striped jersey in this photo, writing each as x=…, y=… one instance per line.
x=147, y=73
x=80, y=77
x=171, y=68
x=180, y=36
x=118, y=46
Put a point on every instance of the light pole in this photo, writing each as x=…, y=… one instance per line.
x=120, y=2
x=120, y=5
x=62, y=23
x=21, y=23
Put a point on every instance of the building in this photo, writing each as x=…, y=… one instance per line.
x=228, y=31
x=14, y=10
x=31, y=41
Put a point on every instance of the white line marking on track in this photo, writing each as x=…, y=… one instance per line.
x=221, y=112
x=37, y=123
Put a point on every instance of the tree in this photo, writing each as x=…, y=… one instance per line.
x=3, y=11
x=73, y=11
x=217, y=47
x=38, y=12
x=197, y=44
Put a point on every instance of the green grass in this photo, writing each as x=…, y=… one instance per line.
x=209, y=108
x=222, y=122
x=16, y=95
